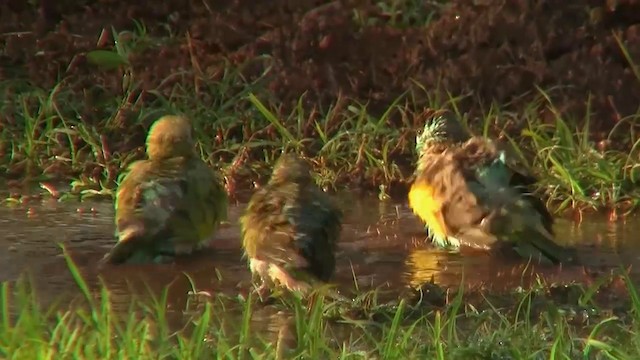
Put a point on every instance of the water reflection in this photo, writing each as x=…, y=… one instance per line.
x=382, y=245
x=425, y=265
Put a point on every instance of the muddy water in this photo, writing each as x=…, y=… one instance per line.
x=382, y=246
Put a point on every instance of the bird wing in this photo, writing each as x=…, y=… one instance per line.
x=519, y=226
x=206, y=199
x=524, y=180
x=151, y=193
x=149, y=197
x=523, y=183
x=266, y=232
x=316, y=224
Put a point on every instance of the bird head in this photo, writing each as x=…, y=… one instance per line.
x=291, y=168
x=170, y=136
x=440, y=129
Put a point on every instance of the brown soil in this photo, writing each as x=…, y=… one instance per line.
x=493, y=50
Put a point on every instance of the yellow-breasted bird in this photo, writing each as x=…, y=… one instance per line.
x=465, y=192
x=169, y=204
x=290, y=229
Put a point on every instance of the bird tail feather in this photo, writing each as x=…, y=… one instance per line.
x=127, y=245
x=539, y=244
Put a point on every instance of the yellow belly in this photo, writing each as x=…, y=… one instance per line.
x=428, y=208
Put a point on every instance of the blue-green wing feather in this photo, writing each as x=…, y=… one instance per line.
x=496, y=175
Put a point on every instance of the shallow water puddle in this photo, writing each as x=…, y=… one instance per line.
x=382, y=246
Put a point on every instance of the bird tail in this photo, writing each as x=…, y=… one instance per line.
x=120, y=253
x=538, y=244
x=523, y=230
x=128, y=244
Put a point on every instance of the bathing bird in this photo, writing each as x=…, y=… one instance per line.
x=467, y=194
x=290, y=229
x=169, y=204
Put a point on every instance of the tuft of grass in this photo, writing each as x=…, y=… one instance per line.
x=524, y=324
x=575, y=172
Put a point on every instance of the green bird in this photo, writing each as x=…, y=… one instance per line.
x=467, y=194
x=169, y=204
x=290, y=229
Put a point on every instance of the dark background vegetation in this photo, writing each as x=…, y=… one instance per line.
x=491, y=50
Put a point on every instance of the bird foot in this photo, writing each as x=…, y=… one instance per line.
x=263, y=292
x=260, y=270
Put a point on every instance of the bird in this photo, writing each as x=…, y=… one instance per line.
x=169, y=204
x=466, y=193
x=290, y=229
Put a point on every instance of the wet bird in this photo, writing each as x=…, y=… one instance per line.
x=467, y=194
x=290, y=229
x=169, y=204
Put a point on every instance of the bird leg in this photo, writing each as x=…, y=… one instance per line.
x=262, y=291
x=269, y=271
x=260, y=269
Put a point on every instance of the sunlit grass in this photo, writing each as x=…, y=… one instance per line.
x=575, y=172
x=525, y=324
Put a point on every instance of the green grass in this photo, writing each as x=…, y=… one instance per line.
x=52, y=136
x=577, y=174
x=529, y=324
x=83, y=137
